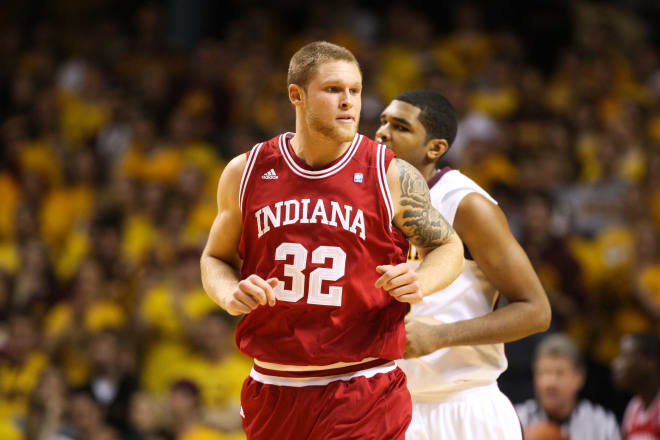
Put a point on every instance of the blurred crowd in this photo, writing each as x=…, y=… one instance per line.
x=113, y=136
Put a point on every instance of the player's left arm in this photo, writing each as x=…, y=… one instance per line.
x=425, y=228
x=485, y=230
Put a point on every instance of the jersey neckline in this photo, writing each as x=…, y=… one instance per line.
x=302, y=169
x=438, y=175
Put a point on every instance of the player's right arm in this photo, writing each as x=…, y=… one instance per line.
x=220, y=262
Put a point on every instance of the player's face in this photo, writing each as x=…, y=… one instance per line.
x=401, y=130
x=334, y=99
x=556, y=383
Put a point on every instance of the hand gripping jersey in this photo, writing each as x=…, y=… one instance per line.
x=321, y=233
x=469, y=296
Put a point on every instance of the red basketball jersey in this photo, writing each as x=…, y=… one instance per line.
x=321, y=233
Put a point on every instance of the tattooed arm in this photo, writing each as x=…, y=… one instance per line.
x=425, y=228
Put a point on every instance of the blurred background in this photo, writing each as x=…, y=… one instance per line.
x=117, y=117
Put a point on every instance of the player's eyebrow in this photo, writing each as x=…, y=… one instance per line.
x=334, y=81
x=397, y=119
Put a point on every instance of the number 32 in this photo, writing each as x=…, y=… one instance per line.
x=316, y=277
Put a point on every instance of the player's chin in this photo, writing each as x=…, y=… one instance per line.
x=346, y=132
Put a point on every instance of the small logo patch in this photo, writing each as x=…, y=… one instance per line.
x=270, y=174
x=358, y=177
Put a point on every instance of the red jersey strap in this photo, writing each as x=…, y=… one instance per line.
x=383, y=159
x=251, y=159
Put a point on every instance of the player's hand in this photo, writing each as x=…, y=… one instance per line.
x=400, y=281
x=422, y=335
x=251, y=293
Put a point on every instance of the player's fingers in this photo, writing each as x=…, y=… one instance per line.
x=383, y=268
x=387, y=272
x=390, y=272
x=411, y=298
x=258, y=288
x=247, y=298
x=235, y=307
x=248, y=288
x=405, y=289
x=401, y=280
x=270, y=293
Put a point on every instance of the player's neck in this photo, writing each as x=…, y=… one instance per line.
x=428, y=171
x=315, y=149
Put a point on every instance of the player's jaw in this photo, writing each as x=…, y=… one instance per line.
x=341, y=128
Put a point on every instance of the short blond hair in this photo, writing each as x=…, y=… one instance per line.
x=306, y=60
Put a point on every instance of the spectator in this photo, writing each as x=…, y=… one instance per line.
x=217, y=369
x=145, y=419
x=47, y=407
x=87, y=418
x=111, y=387
x=185, y=407
x=21, y=365
x=637, y=369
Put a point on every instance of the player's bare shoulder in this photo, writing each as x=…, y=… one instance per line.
x=476, y=215
x=230, y=180
x=420, y=222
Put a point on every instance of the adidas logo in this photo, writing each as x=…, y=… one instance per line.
x=270, y=174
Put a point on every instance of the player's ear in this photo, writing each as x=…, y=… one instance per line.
x=435, y=148
x=295, y=94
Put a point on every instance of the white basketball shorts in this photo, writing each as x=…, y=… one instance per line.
x=480, y=413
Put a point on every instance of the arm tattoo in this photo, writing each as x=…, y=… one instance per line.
x=422, y=224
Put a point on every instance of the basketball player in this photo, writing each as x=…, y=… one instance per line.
x=310, y=243
x=457, y=334
x=637, y=369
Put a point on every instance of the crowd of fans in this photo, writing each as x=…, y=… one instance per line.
x=113, y=137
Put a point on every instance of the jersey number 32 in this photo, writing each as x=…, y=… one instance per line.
x=316, y=277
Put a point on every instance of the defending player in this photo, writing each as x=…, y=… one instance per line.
x=310, y=243
x=458, y=333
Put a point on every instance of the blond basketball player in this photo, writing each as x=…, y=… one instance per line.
x=455, y=337
x=310, y=245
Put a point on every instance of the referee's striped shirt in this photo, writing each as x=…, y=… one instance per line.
x=587, y=422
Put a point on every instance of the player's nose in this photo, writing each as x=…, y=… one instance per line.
x=346, y=101
x=382, y=134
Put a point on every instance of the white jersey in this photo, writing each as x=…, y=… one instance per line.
x=434, y=376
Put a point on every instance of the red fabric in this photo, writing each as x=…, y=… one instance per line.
x=376, y=408
x=369, y=322
x=641, y=423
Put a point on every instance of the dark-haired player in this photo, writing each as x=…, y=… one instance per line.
x=457, y=335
